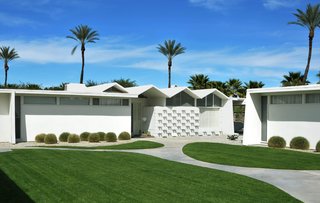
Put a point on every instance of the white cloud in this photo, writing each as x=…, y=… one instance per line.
x=12, y=21
x=119, y=52
x=58, y=50
x=277, y=58
x=216, y=5
x=275, y=4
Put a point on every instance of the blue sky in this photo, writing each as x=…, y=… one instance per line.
x=245, y=39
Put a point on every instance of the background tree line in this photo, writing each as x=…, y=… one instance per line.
x=33, y=86
x=232, y=87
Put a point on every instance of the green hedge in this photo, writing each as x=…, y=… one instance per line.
x=73, y=138
x=111, y=137
x=102, y=136
x=64, y=137
x=40, y=138
x=277, y=142
x=94, y=137
x=124, y=136
x=50, y=139
x=318, y=147
x=299, y=143
x=84, y=136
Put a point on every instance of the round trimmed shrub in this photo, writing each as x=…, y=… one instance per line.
x=40, y=138
x=102, y=136
x=299, y=143
x=94, y=137
x=276, y=142
x=73, y=138
x=84, y=136
x=64, y=137
x=50, y=139
x=111, y=137
x=124, y=136
x=318, y=147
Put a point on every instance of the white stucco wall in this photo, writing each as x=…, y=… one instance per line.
x=291, y=120
x=226, y=117
x=210, y=118
x=252, y=120
x=218, y=118
x=285, y=120
x=56, y=119
x=6, y=117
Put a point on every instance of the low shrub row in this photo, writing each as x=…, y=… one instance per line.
x=295, y=143
x=85, y=136
x=46, y=138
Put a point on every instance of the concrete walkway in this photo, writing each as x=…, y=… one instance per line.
x=5, y=147
x=301, y=184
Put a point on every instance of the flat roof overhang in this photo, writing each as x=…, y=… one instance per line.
x=67, y=93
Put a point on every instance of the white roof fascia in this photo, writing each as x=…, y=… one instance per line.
x=142, y=89
x=67, y=93
x=285, y=89
x=6, y=91
x=104, y=87
x=205, y=92
x=170, y=92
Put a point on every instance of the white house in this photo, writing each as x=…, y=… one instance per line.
x=283, y=111
x=113, y=108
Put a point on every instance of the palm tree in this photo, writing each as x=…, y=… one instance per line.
x=125, y=82
x=311, y=20
x=221, y=86
x=170, y=50
x=234, y=87
x=83, y=34
x=199, y=81
x=253, y=84
x=293, y=79
x=7, y=54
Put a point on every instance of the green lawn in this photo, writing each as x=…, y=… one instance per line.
x=249, y=156
x=141, y=144
x=42, y=175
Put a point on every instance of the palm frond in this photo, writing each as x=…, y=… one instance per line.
x=83, y=34
x=74, y=49
x=8, y=54
x=171, y=49
x=310, y=18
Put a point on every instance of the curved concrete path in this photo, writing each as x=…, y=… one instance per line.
x=301, y=184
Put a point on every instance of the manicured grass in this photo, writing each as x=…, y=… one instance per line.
x=248, y=156
x=141, y=144
x=86, y=176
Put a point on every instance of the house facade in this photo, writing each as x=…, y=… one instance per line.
x=284, y=111
x=112, y=108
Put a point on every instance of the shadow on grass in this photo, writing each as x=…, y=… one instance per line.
x=10, y=192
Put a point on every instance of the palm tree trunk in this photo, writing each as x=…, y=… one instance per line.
x=82, y=68
x=305, y=76
x=169, y=73
x=6, y=68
